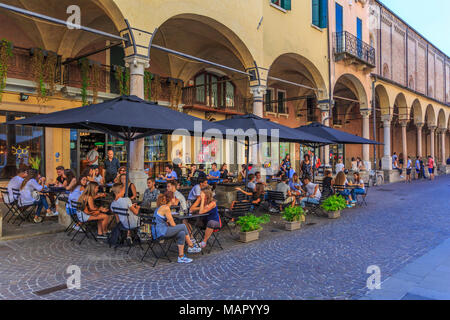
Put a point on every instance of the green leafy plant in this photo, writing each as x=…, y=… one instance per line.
x=334, y=203
x=35, y=162
x=5, y=55
x=251, y=222
x=292, y=214
x=84, y=65
x=148, y=77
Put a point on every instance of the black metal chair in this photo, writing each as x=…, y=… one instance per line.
x=276, y=200
x=84, y=226
x=25, y=212
x=11, y=206
x=154, y=243
x=121, y=212
x=361, y=198
x=240, y=208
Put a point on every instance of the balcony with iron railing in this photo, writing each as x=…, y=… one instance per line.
x=352, y=50
x=197, y=97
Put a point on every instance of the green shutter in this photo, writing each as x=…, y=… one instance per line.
x=286, y=4
x=315, y=13
x=323, y=14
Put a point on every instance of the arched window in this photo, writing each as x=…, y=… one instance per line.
x=214, y=91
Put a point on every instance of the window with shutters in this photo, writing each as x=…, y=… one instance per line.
x=283, y=4
x=320, y=13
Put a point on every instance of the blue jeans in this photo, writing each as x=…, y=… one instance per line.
x=42, y=202
x=344, y=193
x=357, y=191
x=304, y=201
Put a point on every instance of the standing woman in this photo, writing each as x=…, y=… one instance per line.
x=306, y=166
x=29, y=194
x=91, y=212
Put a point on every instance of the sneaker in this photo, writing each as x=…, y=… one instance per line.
x=401, y=177
x=37, y=219
x=184, y=259
x=194, y=249
x=349, y=206
x=353, y=201
x=50, y=214
x=129, y=241
x=202, y=244
x=101, y=236
x=194, y=241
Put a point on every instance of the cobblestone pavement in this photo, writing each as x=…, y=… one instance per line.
x=325, y=261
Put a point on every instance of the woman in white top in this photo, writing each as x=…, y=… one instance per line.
x=29, y=194
x=98, y=177
x=360, y=186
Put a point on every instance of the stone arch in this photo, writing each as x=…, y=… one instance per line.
x=430, y=115
x=383, y=99
x=296, y=68
x=416, y=112
x=402, y=107
x=441, y=120
x=200, y=36
x=356, y=87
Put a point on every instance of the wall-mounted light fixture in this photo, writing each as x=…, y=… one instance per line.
x=23, y=96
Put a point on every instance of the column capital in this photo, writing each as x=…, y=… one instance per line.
x=442, y=130
x=386, y=118
x=137, y=61
x=404, y=123
x=366, y=113
x=258, y=91
x=432, y=127
x=420, y=125
x=325, y=105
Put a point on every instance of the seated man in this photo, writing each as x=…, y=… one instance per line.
x=170, y=174
x=259, y=179
x=197, y=190
x=130, y=222
x=256, y=197
x=296, y=185
x=172, y=186
x=286, y=190
x=15, y=183
x=251, y=182
x=313, y=193
x=214, y=174
x=150, y=194
x=60, y=181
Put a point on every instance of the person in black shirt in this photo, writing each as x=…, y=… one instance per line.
x=327, y=185
x=112, y=166
x=224, y=172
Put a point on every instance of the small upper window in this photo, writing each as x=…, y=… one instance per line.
x=284, y=4
x=320, y=13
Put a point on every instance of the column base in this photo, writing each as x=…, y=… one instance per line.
x=139, y=178
x=444, y=169
x=386, y=163
x=367, y=165
x=392, y=176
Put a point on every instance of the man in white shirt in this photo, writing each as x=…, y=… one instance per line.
x=313, y=193
x=15, y=183
x=92, y=156
x=339, y=166
x=172, y=187
x=132, y=220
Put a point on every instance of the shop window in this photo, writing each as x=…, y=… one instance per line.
x=320, y=13
x=284, y=4
x=281, y=98
x=20, y=146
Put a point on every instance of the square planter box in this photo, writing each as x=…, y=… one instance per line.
x=249, y=236
x=291, y=226
x=334, y=214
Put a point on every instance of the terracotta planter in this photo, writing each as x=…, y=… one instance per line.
x=291, y=226
x=249, y=236
x=334, y=214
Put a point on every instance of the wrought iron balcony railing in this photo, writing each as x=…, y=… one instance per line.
x=346, y=44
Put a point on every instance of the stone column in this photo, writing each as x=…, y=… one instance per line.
x=443, y=133
x=325, y=113
x=404, y=124
x=386, y=162
x=138, y=176
x=258, y=99
x=366, y=134
x=419, y=138
x=432, y=140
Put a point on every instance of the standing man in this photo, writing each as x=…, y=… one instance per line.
x=431, y=167
x=112, y=165
x=92, y=156
x=417, y=165
x=408, y=169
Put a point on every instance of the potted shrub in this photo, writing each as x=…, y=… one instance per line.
x=293, y=216
x=333, y=206
x=251, y=226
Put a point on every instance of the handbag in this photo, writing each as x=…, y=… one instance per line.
x=35, y=195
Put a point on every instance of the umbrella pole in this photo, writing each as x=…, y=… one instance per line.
x=247, y=155
x=314, y=165
x=128, y=168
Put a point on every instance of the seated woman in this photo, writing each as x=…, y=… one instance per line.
x=256, y=195
x=122, y=170
x=207, y=205
x=166, y=227
x=132, y=193
x=70, y=179
x=130, y=222
x=224, y=173
x=76, y=192
x=98, y=176
x=90, y=212
x=360, y=183
x=339, y=185
x=29, y=194
x=296, y=185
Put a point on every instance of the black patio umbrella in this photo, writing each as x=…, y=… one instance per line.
x=336, y=136
x=264, y=127
x=126, y=117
